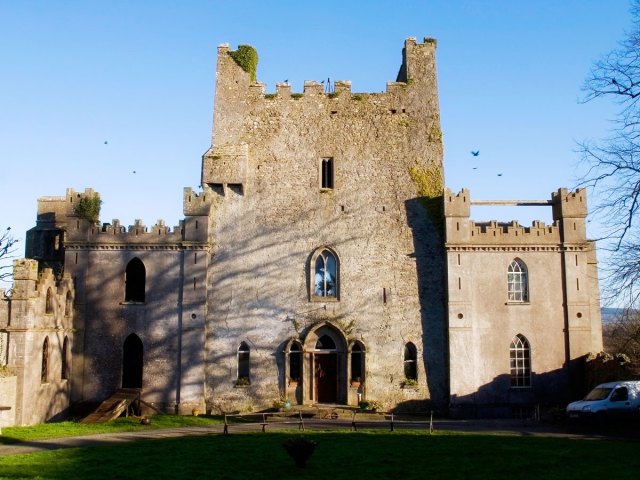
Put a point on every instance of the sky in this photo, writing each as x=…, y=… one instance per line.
x=117, y=95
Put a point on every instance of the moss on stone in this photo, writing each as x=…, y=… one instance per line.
x=247, y=58
x=431, y=40
x=430, y=183
x=271, y=96
x=297, y=96
x=88, y=207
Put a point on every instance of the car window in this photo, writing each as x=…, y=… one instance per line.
x=620, y=394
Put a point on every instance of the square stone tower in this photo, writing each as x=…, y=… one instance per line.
x=326, y=275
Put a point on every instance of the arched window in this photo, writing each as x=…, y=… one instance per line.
x=244, y=353
x=517, y=282
x=64, y=366
x=357, y=362
x=68, y=305
x=295, y=362
x=520, y=360
x=135, y=281
x=48, y=306
x=44, y=371
x=410, y=362
x=325, y=274
x=325, y=342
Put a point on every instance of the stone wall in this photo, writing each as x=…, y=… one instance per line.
x=271, y=215
x=39, y=327
x=560, y=318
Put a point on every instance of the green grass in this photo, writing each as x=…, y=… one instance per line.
x=122, y=424
x=400, y=455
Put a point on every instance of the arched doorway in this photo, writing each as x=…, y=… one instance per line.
x=132, y=362
x=326, y=370
x=326, y=377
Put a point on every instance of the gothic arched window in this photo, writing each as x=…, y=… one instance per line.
x=243, y=365
x=357, y=362
x=410, y=362
x=64, y=366
x=44, y=371
x=134, y=279
x=68, y=304
x=48, y=306
x=517, y=282
x=324, y=278
x=295, y=362
x=520, y=361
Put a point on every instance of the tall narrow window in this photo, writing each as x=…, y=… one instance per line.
x=68, y=304
x=48, y=307
x=325, y=279
x=44, y=371
x=295, y=363
x=135, y=281
x=410, y=362
x=64, y=373
x=357, y=362
x=520, y=360
x=517, y=282
x=326, y=173
x=243, y=365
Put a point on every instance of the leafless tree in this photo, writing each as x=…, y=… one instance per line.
x=7, y=249
x=622, y=335
x=613, y=165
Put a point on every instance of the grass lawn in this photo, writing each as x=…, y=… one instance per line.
x=122, y=424
x=373, y=454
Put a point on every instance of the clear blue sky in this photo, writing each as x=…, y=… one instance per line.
x=140, y=75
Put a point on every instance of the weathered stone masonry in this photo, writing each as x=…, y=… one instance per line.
x=323, y=261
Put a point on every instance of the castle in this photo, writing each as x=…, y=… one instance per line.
x=323, y=261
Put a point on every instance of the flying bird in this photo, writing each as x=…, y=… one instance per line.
x=105, y=142
x=499, y=174
x=475, y=153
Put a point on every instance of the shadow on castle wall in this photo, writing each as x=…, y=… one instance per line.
x=430, y=265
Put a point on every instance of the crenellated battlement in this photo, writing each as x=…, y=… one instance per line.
x=240, y=98
x=193, y=229
x=196, y=204
x=569, y=211
x=513, y=232
x=458, y=205
x=569, y=204
x=418, y=64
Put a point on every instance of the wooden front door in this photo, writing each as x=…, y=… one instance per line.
x=326, y=377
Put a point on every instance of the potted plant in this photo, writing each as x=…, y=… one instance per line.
x=242, y=382
x=409, y=383
x=283, y=403
x=371, y=405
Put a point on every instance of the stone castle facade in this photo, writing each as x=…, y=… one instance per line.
x=323, y=261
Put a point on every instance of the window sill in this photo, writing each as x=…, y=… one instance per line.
x=133, y=303
x=520, y=389
x=517, y=303
x=241, y=386
x=325, y=299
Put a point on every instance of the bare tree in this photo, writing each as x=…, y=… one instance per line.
x=7, y=249
x=622, y=335
x=613, y=165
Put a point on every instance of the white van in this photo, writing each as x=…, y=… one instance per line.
x=613, y=399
